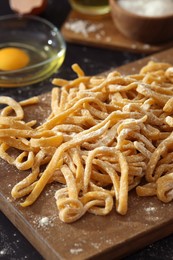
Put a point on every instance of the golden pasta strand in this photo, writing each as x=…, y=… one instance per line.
x=105, y=135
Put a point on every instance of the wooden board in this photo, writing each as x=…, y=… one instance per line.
x=104, y=34
x=111, y=236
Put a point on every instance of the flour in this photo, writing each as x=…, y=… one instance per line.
x=7, y=248
x=3, y=252
x=150, y=209
x=146, y=46
x=83, y=27
x=76, y=251
x=148, y=7
x=96, y=245
x=44, y=221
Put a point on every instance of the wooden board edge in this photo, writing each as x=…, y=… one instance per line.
x=47, y=251
x=79, y=39
x=10, y=211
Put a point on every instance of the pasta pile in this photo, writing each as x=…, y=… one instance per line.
x=105, y=136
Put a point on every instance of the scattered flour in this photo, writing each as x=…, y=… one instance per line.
x=134, y=46
x=6, y=249
x=108, y=241
x=146, y=46
x=83, y=27
x=150, y=209
x=3, y=252
x=96, y=245
x=76, y=251
x=44, y=221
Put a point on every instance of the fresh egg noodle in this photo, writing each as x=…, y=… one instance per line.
x=105, y=136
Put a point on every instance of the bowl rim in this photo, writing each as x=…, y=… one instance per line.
x=43, y=21
x=139, y=16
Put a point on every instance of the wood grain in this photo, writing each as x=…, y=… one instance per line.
x=92, y=236
x=107, y=36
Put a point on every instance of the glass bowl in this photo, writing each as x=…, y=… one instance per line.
x=90, y=7
x=40, y=39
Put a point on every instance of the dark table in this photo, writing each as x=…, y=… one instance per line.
x=13, y=245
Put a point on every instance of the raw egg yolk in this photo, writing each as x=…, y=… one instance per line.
x=13, y=59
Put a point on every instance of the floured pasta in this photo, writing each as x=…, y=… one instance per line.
x=104, y=137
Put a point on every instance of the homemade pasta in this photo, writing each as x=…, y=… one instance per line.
x=105, y=136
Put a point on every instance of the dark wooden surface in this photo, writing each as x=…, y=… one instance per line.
x=93, y=60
